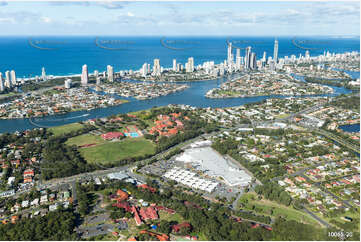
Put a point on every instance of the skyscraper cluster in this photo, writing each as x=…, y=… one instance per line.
x=10, y=80
x=250, y=61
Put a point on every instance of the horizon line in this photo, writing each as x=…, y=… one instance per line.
x=164, y=36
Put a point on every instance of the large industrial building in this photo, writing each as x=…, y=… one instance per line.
x=213, y=164
x=190, y=179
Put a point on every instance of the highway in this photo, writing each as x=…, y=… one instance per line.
x=317, y=218
x=338, y=139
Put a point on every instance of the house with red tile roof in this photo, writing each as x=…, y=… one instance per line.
x=146, y=187
x=148, y=213
x=124, y=205
x=168, y=210
x=112, y=135
x=137, y=219
x=121, y=195
x=177, y=227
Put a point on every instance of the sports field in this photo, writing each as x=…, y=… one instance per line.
x=107, y=152
x=58, y=130
x=85, y=139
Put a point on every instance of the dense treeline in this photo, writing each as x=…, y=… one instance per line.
x=225, y=146
x=165, y=143
x=294, y=231
x=228, y=146
x=13, y=138
x=272, y=191
x=84, y=200
x=337, y=83
x=214, y=220
x=251, y=216
x=352, y=102
x=57, y=225
x=60, y=160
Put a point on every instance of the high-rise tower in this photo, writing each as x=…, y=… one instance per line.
x=7, y=79
x=247, y=57
x=13, y=77
x=110, y=73
x=43, y=74
x=190, y=65
x=174, y=65
x=2, y=86
x=84, y=75
x=156, y=67
x=275, y=51
x=229, y=54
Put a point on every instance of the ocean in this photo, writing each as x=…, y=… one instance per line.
x=65, y=55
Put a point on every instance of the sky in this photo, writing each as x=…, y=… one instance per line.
x=180, y=18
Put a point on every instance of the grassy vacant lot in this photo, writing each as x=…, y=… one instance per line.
x=58, y=130
x=274, y=209
x=170, y=217
x=287, y=212
x=285, y=115
x=351, y=214
x=108, y=152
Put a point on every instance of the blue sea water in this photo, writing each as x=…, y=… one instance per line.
x=66, y=55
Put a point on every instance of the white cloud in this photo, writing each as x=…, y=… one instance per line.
x=7, y=20
x=111, y=4
x=46, y=19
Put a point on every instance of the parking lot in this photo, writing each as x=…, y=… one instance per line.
x=159, y=168
x=87, y=232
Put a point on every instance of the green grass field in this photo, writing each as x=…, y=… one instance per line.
x=109, y=152
x=170, y=217
x=354, y=215
x=286, y=212
x=58, y=130
x=285, y=115
x=264, y=207
x=85, y=139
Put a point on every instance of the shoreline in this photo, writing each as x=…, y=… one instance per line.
x=123, y=101
x=263, y=95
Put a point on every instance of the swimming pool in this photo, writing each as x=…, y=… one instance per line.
x=133, y=134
